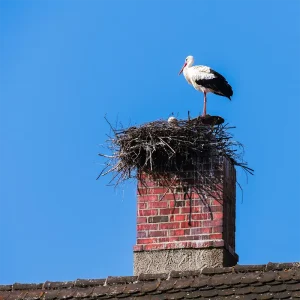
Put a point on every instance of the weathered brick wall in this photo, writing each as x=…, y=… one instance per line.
x=195, y=212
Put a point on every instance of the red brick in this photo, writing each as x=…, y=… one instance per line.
x=141, y=220
x=149, y=247
x=158, y=204
x=148, y=212
x=218, y=243
x=213, y=209
x=147, y=198
x=169, y=225
x=201, y=244
x=177, y=218
x=142, y=205
x=143, y=191
x=212, y=223
x=217, y=216
x=169, y=211
x=193, y=196
x=197, y=203
x=171, y=196
x=178, y=245
x=147, y=227
x=216, y=202
x=146, y=241
x=157, y=233
x=185, y=210
x=168, y=239
x=199, y=216
x=138, y=248
x=200, y=230
x=180, y=203
x=216, y=236
x=158, y=191
x=217, y=229
x=142, y=234
x=187, y=231
x=177, y=232
x=186, y=224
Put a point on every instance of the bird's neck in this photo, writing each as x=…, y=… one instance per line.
x=186, y=70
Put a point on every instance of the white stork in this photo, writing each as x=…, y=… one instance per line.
x=206, y=80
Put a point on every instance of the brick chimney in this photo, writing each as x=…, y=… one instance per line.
x=187, y=221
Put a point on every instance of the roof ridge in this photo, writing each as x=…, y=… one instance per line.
x=121, y=280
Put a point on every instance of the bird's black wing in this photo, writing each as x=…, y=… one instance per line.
x=216, y=83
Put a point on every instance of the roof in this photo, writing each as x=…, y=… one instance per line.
x=271, y=281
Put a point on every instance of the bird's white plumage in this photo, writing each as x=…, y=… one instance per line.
x=195, y=73
x=173, y=121
x=206, y=80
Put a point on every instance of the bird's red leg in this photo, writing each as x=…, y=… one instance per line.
x=204, y=107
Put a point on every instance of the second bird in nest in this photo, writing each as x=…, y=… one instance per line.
x=206, y=80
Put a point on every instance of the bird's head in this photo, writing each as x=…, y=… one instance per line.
x=188, y=62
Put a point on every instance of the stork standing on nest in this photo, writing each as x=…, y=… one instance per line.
x=205, y=80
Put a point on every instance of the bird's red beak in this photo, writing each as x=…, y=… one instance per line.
x=182, y=68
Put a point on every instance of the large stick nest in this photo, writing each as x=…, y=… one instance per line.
x=160, y=147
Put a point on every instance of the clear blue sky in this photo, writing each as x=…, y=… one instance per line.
x=65, y=64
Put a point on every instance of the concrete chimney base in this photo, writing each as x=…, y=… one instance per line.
x=164, y=261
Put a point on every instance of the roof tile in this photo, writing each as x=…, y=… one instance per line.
x=117, y=289
x=272, y=281
x=250, y=278
x=201, y=281
x=180, y=274
x=177, y=295
x=22, y=286
x=120, y=279
x=133, y=288
x=217, y=280
x=83, y=292
x=261, y=289
x=233, y=279
x=88, y=282
x=278, y=288
x=293, y=287
x=150, y=286
x=52, y=294
x=195, y=294
x=296, y=294
x=209, y=293
x=34, y=295
x=279, y=266
x=246, y=297
x=226, y=292
x=267, y=277
x=17, y=295
x=66, y=293
x=183, y=283
x=4, y=295
x=283, y=295
x=265, y=296
x=100, y=291
x=166, y=285
x=148, y=277
x=297, y=274
x=58, y=285
x=285, y=275
x=248, y=268
x=244, y=290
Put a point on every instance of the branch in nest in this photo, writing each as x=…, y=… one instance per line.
x=157, y=147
